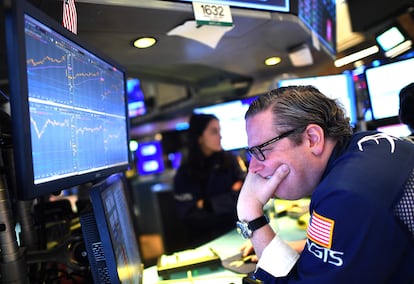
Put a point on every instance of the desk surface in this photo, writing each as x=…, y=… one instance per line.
x=227, y=246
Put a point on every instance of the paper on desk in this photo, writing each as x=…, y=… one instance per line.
x=206, y=34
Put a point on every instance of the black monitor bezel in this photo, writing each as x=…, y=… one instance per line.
x=15, y=40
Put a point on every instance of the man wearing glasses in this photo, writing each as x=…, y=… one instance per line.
x=361, y=186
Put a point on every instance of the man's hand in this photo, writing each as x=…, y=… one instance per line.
x=257, y=191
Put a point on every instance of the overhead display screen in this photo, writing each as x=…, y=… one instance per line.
x=320, y=17
x=270, y=5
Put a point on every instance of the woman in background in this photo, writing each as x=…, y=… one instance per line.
x=207, y=184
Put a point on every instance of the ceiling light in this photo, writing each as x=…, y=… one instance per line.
x=401, y=48
x=356, y=56
x=272, y=61
x=144, y=42
x=300, y=55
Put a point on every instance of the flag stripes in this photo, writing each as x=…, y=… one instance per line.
x=70, y=18
x=320, y=230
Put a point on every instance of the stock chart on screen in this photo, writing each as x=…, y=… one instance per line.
x=77, y=106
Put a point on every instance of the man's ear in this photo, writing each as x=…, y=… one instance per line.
x=315, y=138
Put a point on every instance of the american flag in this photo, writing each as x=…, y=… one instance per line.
x=70, y=18
x=320, y=230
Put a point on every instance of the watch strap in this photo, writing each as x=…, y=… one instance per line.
x=258, y=223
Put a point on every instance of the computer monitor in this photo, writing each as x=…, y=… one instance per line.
x=150, y=158
x=266, y=5
x=339, y=87
x=397, y=130
x=136, y=98
x=320, y=17
x=109, y=234
x=390, y=38
x=68, y=106
x=384, y=84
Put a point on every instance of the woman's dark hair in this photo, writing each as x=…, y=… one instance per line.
x=406, y=112
x=198, y=123
x=197, y=162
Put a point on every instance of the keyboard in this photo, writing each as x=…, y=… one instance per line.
x=187, y=260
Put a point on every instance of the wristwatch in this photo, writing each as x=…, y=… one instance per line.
x=246, y=229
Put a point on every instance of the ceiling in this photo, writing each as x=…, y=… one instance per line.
x=234, y=68
x=241, y=52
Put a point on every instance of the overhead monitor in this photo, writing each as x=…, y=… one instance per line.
x=232, y=123
x=68, y=106
x=110, y=236
x=320, y=17
x=268, y=5
x=339, y=86
x=390, y=38
x=384, y=84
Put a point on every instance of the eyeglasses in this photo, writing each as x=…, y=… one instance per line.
x=257, y=152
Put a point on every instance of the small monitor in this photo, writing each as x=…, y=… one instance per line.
x=68, y=106
x=339, y=86
x=390, y=38
x=110, y=236
x=150, y=158
x=136, y=98
x=384, y=84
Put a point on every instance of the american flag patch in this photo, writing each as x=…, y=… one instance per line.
x=320, y=230
x=70, y=18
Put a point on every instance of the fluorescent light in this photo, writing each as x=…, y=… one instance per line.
x=403, y=47
x=356, y=56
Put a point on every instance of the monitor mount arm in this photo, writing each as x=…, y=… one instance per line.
x=12, y=261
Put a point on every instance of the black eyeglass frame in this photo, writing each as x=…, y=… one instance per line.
x=257, y=152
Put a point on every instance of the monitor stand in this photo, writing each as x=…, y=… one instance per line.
x=12, y=264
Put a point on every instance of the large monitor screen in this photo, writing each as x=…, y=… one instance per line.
x=232, y=123
x=121, y=259
x=68, y=106
x=269, y=5
x=384, y=84
x=339, y=87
